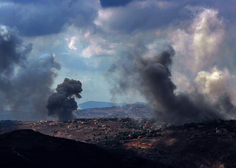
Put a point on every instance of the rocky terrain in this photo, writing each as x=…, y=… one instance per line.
x=89, y=130
x=207, y=145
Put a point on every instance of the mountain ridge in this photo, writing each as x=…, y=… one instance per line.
x=98, y=104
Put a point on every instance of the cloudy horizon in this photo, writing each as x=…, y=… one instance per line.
x=86, y=37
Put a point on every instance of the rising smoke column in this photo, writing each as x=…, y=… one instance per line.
x=151, y=76
x=61, y=103
x=25, y=82
x=206, y=58
x=203, y=72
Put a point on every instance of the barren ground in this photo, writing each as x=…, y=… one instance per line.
x=206, y=145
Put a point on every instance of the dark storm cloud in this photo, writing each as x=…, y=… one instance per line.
x=61, y=103
x=34, y=18
x=24, y=82
x=42, y=17
x=143, y=15
x=151, y=76
x=132, y=18
x=114, y=3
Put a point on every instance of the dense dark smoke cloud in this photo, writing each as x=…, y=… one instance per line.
x=61, y=103
x=11, y=50
x=151, y=76
x=24, y=81
x=114, y=3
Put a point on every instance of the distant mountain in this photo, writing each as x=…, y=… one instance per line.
x=136, y=110
x=6, y=115
x=97, y=104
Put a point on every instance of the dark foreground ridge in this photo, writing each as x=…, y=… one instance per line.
x=120, y=142
x=27, y=148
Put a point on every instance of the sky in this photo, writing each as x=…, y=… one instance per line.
x=87, y=37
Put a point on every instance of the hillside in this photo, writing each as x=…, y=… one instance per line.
x=26, y=148
x=134, y=142
x=137, y=110
x=97, y=104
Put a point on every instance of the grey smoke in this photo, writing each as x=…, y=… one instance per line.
x=11, y=50
x=25, y=82
x=151, y=76
x=61, y=103
x=224, y=103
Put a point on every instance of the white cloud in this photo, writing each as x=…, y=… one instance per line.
x=199, y=45
x=72, y=43
x=216, y=82
x=213, y=82
x=199, y=63
x=85, y=79
x=208, y=35
x=97, y=46
x=137, y=15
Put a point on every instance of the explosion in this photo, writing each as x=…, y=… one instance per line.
x=61, y=103
x=200, y=66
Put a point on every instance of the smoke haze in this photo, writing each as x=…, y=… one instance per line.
x=24, y=81
x=151, y=76
x=202, y=87
x=61, y=103
x=87, y=38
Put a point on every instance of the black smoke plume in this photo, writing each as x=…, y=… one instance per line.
x=151, y=76
x=24, y=81
x=61, y=103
